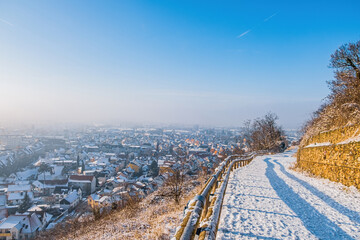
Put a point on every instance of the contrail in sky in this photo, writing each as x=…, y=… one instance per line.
x=6, y=22
x=265, y=20
x=268, y=18
x=244, y=33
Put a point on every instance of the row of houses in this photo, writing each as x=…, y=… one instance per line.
x=112, y=167
x=67, y=193
x=25, y=225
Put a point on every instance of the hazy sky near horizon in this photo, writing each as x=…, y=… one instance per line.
x=213, y=63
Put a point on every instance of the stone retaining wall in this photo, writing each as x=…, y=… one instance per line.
x=334, y=136
x=337, y=162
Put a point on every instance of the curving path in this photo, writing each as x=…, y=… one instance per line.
x=267, y=200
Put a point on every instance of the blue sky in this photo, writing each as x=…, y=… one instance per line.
x=213, y=63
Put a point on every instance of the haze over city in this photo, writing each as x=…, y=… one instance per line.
x=206, y=62
x=165, y=119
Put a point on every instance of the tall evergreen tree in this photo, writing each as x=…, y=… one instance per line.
x=139, y=173
x=78, y=161
x=26, y=204
x=82, y=167
x=154, y=169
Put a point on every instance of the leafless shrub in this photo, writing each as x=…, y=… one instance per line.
x=174, y=186
x=264, y=133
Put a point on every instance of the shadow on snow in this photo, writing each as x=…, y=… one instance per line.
x=352, y=215
x=313, y=220
x=248, y=235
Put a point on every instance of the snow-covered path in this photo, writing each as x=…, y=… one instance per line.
x=267, y=200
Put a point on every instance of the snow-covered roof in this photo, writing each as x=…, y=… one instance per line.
x=72, y=197
x=56, y=173
x=15, y=188
x=104, y=199
x=117, y=189
x=21, y=182
x=19, y=196
x=12, y=221
x=33, y=223
x=129, y=169
x=40, y=185
x=95, y=197
x=24, y=175
x=35, y=208
x=121, y=177
x=48, y=217
x=28, y=223
x=140, y=184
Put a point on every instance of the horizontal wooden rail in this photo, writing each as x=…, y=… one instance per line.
x=209, y=226
x=207, y=205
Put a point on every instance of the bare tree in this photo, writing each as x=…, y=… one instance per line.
x=347, y=58
x=174, y=186
x=342, y=105
x=264, y=133
x=346, y=85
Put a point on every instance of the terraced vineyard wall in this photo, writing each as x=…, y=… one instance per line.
x=334, y=136
x=334, y=155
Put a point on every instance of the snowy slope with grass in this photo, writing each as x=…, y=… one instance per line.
x=267, y=200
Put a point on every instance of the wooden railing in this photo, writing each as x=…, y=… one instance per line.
x=201, y=218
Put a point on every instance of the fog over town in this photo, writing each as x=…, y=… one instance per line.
x=57, y=174
x=138, y=119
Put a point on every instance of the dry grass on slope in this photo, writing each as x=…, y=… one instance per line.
x=152, y=218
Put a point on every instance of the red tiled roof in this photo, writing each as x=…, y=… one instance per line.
x=81, y=178
x=55, y=182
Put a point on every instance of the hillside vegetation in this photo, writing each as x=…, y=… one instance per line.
x=342, y=106
x=154, y=217
x=330, y=146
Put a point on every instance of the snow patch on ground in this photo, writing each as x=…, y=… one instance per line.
x=349, y=140
x=267, y=200
x=319, y=144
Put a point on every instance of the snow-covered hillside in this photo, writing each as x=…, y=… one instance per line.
x=267, y=200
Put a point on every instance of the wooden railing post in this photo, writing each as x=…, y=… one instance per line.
x=206, y=207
